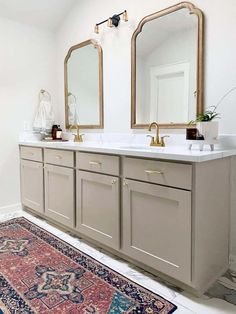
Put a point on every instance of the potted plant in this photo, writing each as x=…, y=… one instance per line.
x=205, y=122
x=207, y=125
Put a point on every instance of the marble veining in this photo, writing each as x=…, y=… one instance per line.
x=219, y=299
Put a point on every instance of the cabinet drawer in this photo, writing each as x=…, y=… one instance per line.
x=31, y=153
x=98, y=163
x=160, y=172
x=59, y=157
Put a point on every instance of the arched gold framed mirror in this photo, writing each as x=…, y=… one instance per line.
x=83, y=74
x=167, y=67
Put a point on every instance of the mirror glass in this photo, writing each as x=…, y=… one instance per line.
x=165, y=70
x=83, y=86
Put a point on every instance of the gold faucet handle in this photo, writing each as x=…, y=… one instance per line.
x=163, y=141
x=81, y=137
x=152, y=139
x=78, y=137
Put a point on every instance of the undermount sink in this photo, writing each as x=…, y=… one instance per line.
x=140, y=147
x=54, y=142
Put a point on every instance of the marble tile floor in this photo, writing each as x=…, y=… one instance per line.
x=219, y=299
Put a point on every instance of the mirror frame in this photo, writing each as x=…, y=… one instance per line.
x=200, y=62
x=100, y=70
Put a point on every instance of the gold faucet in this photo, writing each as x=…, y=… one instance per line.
x=156, y=141
x=77, y=137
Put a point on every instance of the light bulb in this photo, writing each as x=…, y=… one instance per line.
x=109, y=22
x=125, y=16
x=96, y=29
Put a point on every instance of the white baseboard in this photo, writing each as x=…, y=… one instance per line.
x=10, y=208
x=233, y=262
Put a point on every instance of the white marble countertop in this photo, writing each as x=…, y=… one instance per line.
x=180, y=153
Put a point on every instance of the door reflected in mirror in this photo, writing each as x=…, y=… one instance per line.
x=167, y=67
x=84, y=86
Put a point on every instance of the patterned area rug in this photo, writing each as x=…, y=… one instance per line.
x=39, y=273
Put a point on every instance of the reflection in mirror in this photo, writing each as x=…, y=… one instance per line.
x=83, y=86
x=167, y=67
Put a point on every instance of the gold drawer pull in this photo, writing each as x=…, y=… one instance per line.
x=58, y=157
x=95, y=163
x=153, y=172
x=31, y=153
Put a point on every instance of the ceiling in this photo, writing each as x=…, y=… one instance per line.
x=45, y=14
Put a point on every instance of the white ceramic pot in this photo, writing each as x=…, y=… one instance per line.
x=208, y=129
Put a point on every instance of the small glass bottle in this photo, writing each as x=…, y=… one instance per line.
x=54, y=131
x=59, y=133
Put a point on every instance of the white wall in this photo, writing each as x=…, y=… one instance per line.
x=26, y=65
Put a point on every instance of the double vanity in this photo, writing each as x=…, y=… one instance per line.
x=164, y=209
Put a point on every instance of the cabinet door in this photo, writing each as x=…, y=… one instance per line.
x=98, y=207
x=157, y=227
x=32, y=185
x=59, y=194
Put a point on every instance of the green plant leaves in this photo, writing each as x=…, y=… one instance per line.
x=208, y=115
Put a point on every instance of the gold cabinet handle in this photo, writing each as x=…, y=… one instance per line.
x=125, y=183
x=58, y=157
x=95, y=163
x=153, y=172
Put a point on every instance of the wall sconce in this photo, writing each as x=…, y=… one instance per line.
x=112, y=21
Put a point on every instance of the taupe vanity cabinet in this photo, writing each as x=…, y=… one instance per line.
x=169, y=217
x=156, y=218
x=32, y=194
x=98, y=197
x=59, y=186
x=176, y=217
x=48, y=188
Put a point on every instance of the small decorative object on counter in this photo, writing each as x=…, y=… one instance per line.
x=59, y=133
x=192, y=134
x=54, y=131
x=205, y=126
x=206, y=131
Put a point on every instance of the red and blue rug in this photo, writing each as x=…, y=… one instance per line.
x=39, y=273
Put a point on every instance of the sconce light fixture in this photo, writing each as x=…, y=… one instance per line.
x=112, y=21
